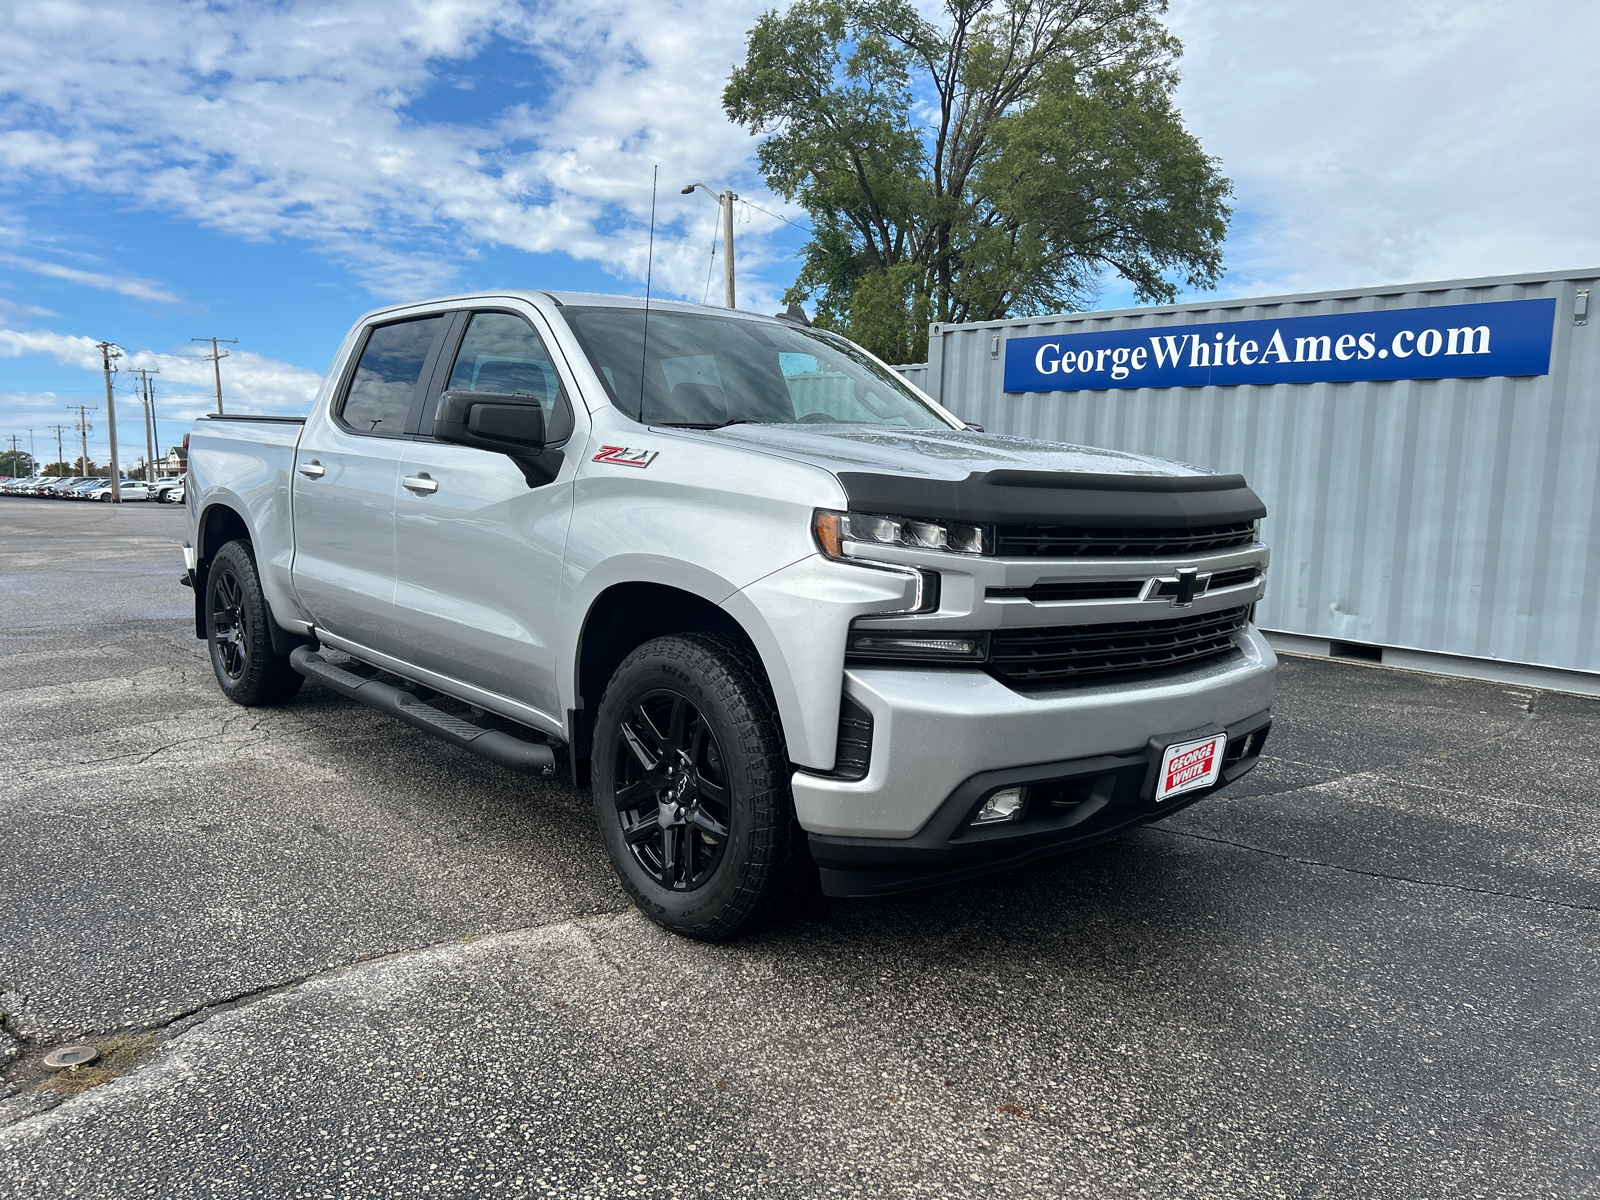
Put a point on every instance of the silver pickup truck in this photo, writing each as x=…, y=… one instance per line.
x=782, y=612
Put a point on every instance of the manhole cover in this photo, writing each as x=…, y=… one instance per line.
x=70, y=1056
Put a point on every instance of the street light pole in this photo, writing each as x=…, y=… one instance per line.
x=725, y=201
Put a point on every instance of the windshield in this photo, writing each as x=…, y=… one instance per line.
x=706, y=370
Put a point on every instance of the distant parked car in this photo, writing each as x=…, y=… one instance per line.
x=80, y=491
x=175, y=495
x=35, y=487
x=132, y=489
x=59, y=488
x=161, y=490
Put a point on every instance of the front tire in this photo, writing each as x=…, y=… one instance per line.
x=247, y=670
x=691, y=786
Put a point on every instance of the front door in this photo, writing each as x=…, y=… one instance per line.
x=347, y=470
x=478, y=562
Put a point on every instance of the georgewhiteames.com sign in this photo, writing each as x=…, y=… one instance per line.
x=1508, y=337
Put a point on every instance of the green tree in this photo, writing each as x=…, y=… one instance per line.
x=999, y=161
x=17, y=464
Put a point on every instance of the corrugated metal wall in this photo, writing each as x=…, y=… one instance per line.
x=1454, y=516
x=917, y=373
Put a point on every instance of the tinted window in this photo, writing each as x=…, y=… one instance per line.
x=503, y=353
x=711, y=370
x=379, y=400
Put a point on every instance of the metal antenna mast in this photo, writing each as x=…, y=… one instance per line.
x=216, y=362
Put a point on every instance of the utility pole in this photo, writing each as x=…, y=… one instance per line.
x=216, y=362
x=83, y=432
x=155, y=430
x=725, y=201
x=106, y=358
x=147, y=398
x=14, y=441
x=61, y=454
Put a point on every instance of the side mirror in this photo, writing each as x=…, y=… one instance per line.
x=504, y=421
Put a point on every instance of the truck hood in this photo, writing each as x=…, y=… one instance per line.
x=986, y=477
x=952, y=454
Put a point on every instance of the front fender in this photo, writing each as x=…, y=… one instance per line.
x=799, y=619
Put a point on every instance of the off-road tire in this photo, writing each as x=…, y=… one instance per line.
x=238, y=634
x=763, y=857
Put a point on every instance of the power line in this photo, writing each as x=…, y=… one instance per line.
x=710, y=267
x=770, y=213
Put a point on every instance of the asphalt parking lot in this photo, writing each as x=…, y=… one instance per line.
x=342, y=959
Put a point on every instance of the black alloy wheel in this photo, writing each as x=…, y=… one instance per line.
x=239, y=634
x=670, y=783
x=691, y=786
x=230, y=622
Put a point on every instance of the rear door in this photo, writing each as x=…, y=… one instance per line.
x=347, y=469
x=479, y=551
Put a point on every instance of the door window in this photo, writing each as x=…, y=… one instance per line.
x=385, y=383
x=503, y=353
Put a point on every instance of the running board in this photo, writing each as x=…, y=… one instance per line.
x=531, y=758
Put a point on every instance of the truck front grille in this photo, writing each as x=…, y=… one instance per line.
x=1059, y=541
x=1063, y=655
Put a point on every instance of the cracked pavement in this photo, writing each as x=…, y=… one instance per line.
x=375, y=965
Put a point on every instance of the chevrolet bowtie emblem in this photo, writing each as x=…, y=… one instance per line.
x=1181, y=587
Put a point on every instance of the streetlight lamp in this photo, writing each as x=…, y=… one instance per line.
x=725, y=200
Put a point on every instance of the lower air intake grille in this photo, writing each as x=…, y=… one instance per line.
x=1060, y=656
x=853, y=757
x=1058, y=541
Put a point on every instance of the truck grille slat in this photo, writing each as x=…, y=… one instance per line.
x=1057, y=541
x=1051, y=657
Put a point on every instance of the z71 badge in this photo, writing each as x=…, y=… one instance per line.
x=624, y=456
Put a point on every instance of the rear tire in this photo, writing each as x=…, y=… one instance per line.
x=238, y=633
x=691, y=786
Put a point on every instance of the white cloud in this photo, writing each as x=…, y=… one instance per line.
x=250, y=382
x=138, y=289
x=1373, y=142
x=291, y=121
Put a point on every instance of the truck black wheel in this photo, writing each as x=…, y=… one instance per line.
x=691, y=786
x=247, y=670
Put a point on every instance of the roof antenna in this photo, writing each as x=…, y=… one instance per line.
x=649, y=266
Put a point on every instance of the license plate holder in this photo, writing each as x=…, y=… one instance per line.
x=1189, y=765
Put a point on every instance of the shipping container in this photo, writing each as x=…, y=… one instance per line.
x=1431, y=471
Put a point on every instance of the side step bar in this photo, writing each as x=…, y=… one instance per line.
x=532, y=758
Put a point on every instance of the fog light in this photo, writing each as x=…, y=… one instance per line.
x=1002, y=806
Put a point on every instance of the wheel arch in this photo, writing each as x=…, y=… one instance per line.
x=220, y=523
x=620, y=619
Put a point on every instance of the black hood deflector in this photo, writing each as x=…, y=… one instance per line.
x=1080, y=498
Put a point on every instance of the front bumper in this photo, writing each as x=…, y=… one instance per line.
x=1067, y=805
x=935, y=731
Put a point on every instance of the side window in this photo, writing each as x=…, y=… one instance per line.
x=385, y=383
x=503, y=353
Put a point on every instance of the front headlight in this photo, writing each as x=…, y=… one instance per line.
x=833, y=529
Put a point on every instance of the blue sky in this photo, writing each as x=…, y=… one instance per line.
x=267, y=172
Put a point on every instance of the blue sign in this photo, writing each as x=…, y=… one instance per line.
x=1453, y=341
